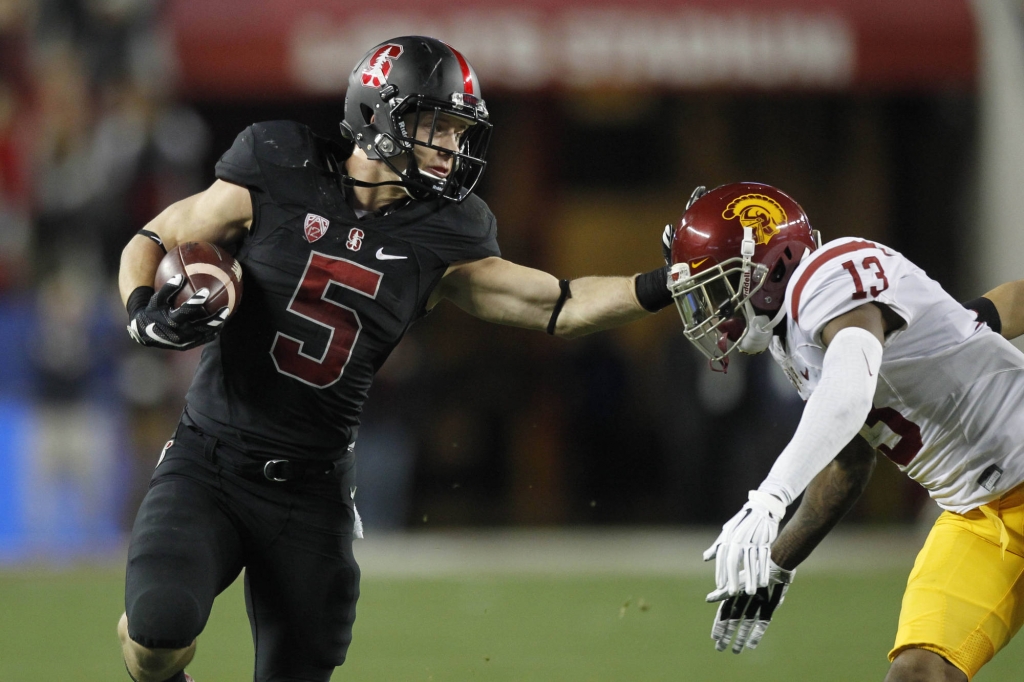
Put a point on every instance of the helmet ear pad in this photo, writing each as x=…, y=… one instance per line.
x=782, y=260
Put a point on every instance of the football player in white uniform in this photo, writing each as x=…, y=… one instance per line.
x=874, y=346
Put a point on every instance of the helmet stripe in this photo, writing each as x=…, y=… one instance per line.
x=467, y=75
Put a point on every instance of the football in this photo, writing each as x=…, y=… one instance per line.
x=203, y=265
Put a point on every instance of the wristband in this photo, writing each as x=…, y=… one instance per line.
x=987, y=313
x=652, y=289
x=138, y=299
x=154, y=236
x=563, y=284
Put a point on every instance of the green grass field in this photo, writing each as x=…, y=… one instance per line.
x=518, y=613
x=60, y=626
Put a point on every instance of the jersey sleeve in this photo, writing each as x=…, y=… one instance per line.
x=484, y=242
x=274, y=157
x=239, y=165
x=466, y=231
x=842, y=277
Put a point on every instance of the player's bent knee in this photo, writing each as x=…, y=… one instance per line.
x=165, y=618
x=921, y=665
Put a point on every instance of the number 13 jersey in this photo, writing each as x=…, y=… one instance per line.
x=949, y=404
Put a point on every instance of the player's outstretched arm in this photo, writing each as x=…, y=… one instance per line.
x=1008, y=299
x=220, y=214
x=500, y=291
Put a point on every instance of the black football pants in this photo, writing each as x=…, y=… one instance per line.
x=201, y=522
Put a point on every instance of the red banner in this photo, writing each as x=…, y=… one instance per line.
x=274, y=48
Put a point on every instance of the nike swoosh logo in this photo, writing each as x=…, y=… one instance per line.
x=151, y=334
x=697, y=263
x=384, y=256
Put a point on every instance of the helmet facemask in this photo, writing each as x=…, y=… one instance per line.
x=715, y=305
x=398, y=140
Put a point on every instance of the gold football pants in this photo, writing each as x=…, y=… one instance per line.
x=965, y=596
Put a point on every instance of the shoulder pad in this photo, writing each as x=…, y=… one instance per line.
x=465, y=231
x=473, y=212
x=843, y=275
x=282, y=159
x=283, y=143
x=238, y=164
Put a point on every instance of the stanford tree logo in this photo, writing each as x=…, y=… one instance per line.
x=355, y=239
x=375, y=75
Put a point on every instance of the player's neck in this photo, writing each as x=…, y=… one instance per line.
x=371, y=199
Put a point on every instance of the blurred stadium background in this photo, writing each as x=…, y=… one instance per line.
x=565, y=488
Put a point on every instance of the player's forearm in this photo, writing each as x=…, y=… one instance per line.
x=141, y=256
x=834, y=413
x=599, y=303
x=1008, y=299
x=826, y=501
x=139, y=261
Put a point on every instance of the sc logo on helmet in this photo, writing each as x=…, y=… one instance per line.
x=758, y=212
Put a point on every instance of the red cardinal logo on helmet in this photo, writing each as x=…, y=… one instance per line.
x=375, y=75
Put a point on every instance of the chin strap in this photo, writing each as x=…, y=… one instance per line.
x=352, y=182
x=747, y=247
x=760, y=331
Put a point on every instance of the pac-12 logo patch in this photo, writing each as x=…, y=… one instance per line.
x=355, y=239
x=316, y=227
x=375, y=75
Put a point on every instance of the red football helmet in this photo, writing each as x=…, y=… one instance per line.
x=733, y=253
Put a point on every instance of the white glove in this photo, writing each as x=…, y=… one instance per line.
x=745, y=543
x=747, y=617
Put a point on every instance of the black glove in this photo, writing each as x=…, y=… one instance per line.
x=670, y=230
x=158, y=326
x=666, y=243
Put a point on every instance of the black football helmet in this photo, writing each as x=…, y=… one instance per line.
x=398, y=83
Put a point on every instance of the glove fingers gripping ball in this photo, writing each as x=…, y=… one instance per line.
x=203, y=266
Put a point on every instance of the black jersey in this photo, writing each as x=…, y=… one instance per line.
x=327, y=295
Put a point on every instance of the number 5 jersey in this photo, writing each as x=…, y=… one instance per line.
x=327, y=295
x=949, y=404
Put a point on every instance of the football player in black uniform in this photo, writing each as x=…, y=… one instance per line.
x=343, y=246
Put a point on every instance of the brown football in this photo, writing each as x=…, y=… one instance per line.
x=203, y=265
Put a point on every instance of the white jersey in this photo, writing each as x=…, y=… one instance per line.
x=949, y=405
